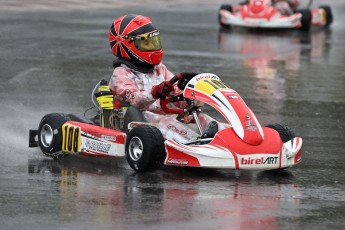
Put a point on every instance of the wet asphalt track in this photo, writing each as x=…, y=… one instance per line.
x=50, y=62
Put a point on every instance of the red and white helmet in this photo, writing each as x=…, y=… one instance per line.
x=135, y=38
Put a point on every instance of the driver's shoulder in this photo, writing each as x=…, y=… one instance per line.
x=162, y=70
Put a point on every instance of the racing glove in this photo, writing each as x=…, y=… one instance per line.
x=162, y=90
x=184, y=78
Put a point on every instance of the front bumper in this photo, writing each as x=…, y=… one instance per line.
x=293, y=21
x=216, y=156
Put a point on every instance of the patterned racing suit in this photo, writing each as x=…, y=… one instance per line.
x=136, y=87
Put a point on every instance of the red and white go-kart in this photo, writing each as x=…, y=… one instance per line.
x=266, y=14
x=244, y=144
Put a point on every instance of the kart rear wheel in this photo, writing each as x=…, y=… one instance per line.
x=145, y=148
x=284, y=131
x=329, y=14
x=226, y=7
x=50, y=133
x=132, y=114
x=306, y=19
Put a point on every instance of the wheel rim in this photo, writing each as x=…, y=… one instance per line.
x=135, y=148
x=46, y=135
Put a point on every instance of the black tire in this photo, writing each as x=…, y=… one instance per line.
x=306, y=19
x=132, y=114
x=284, y=131
x=228, y=8
x=50, y=133
x=145, y=148
x=329, y=14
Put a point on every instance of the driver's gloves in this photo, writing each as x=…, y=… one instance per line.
x=184, y=78
x=162, y=90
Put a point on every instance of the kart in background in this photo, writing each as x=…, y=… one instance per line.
x=122, y=132
x=263, y=14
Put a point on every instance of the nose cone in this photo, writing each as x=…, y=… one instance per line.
x=257, y=8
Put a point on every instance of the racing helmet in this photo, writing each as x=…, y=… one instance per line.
x=133, y=37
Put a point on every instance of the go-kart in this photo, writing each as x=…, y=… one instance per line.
x=264, y=14
x=243, y=144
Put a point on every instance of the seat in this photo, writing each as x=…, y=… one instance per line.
x=211, y=130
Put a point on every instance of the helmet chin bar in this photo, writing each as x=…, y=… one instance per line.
x=156, y=57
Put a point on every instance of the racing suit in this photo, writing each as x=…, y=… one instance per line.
x=136, y=87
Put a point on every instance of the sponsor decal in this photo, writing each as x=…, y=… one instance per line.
x=211, y=76
x=202, y=77
x=259, y=161
x=255, y=22
x=250, y=126
x=136, y=56
x=233, y=97
x=153, y=34
x=181, y=132
x=108, y=138
x=97, y=146
x=177, y=161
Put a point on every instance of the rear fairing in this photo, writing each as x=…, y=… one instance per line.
x=91, y=140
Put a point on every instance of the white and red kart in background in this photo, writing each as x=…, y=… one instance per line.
x=245, y=144
x=263, y=14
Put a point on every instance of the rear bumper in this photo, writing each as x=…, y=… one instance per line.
x=33, y=138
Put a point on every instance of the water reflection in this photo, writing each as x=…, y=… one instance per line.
x=268, y=52
x=103, y=195
x=274, y=63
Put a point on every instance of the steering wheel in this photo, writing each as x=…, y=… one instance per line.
x=182, y=79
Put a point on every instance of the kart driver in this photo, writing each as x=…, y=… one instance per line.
x=141, y=78
x=286, y=7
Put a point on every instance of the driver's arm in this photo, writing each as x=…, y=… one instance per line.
x=168, y=75
x=122, y=83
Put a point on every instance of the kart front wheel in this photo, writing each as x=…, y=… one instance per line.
x=285, y=132
x=50, y=133
x=306, y=19
x=145, y=148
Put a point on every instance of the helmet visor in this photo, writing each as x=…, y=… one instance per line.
x=148, y=42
